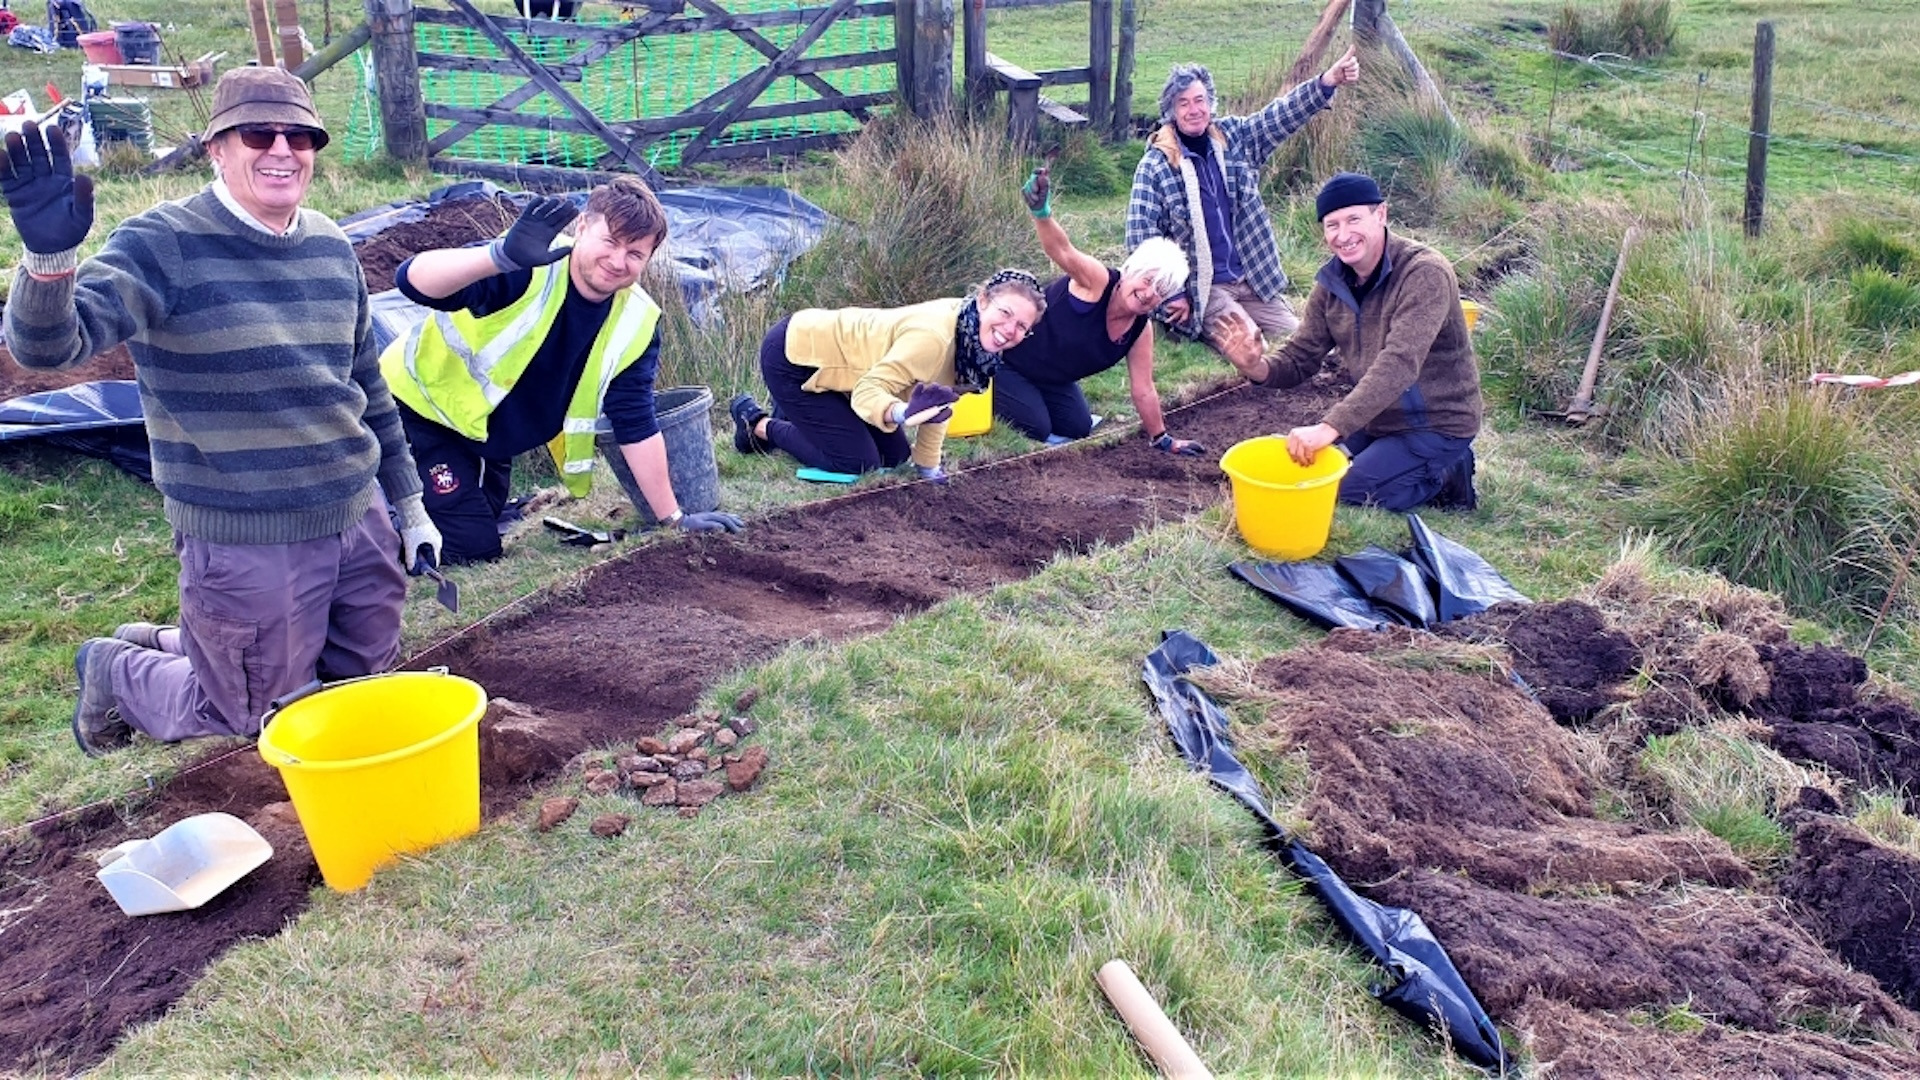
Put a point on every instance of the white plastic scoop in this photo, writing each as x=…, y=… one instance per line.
x=189, y=863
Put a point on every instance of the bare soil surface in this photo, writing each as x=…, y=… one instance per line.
x=1611, y=943
x=610, y=657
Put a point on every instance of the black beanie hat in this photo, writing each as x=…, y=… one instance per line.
x=1347, y=189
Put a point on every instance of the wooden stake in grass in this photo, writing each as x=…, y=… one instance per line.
x=1582, y=406
x=1149, y=1025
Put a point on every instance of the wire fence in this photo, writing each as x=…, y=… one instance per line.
x=1693, y=126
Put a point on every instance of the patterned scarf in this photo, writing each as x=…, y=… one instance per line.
x=973, y=364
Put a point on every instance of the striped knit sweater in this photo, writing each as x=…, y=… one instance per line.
x=266, y=412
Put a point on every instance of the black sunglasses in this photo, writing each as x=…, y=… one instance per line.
x=260, y=137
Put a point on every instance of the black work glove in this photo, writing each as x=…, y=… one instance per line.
x=707, y=521
x=1167, y=444
x=529, y=242
x=52, y=208
x=930, y=403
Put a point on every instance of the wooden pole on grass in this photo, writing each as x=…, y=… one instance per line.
x=1149, y=1024
x=396, y=72
x=1758, y=133
x=1100, y=65
x=293, y=52
x=1582, y=406
x=1308, y=64
x=1123, y=74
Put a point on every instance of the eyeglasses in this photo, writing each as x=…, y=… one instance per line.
x=1020, y=329
x=261, y=137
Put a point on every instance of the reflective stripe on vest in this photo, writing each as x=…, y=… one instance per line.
x=439, y=373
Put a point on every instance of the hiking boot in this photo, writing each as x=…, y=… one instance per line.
x=1457, y=493
x=144, y=634
x=97, y=725
x=747, y=412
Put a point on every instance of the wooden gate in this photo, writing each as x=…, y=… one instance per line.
x=726, y=117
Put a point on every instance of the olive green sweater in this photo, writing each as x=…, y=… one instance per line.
x=1404, y=345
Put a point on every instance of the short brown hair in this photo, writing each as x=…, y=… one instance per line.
x=630, y=210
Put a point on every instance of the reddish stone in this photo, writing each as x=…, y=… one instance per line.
x=601, y=783
x=699, y=792
x=651, y=744
x=661, y=795
x=648, y=779
x=742, y=774
x=556, y=810
x=746, y=699
x=609, y=825
x=690, y=770
x=726, y=738
x=684, y=740
x=743, y=726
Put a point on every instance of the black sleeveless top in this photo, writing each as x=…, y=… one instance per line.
x=1070, y=344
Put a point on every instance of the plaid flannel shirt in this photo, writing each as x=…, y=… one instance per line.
x=1158, y=203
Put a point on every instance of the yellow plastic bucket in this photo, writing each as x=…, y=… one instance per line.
x=1283, y=510
x=972, y=414
x=380, y=767
x=1472, y=311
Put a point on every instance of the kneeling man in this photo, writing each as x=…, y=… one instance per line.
x=1392, y=308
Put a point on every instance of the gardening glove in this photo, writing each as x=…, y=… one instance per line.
x=529, y=242
x=417, y=531
x=929, y=403
x=707, y=521
x=52, y=208
x=1039, y=193
x=932, y=473
x=1167, y=444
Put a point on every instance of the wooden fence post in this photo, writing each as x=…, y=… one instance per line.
x=932, y=76
x=1100, y=65
x=396, y=72
x=1758, y=134
x=1123, y=74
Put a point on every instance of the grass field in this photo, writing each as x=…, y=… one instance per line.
x=947, y=915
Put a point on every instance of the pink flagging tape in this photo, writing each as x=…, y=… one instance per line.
x=1869, y=381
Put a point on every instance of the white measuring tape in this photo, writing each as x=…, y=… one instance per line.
x=1869, y=381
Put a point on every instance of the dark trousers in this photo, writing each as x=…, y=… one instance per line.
x=1400, y=472
x=820, y=428
x=1040, y=409
x=464, y=492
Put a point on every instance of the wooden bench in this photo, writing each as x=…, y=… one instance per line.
x=1025, y=102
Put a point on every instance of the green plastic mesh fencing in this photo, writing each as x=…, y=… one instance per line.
x=649, y=78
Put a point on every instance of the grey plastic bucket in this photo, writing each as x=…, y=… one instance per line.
x=681, y=413
x=138, y=42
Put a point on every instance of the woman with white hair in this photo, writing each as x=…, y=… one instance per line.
x=1096, y=316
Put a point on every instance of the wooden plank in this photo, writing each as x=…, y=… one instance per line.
x=262, y=33
x=286, y=16
x=1065, y=77
x=1029, y=3
x=697, y=146
x=788, y=144
x=662, y=24
x=488, y=65
x=628, y=155
x=1100, y=63
x=1061, y=113
x=771, y=51
x=1023, y=114
x=1011, y=75
x=531, y=177
x=649, y=129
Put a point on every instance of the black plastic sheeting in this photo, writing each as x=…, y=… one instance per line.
x=98, y=419
x=1438, y=580
x=719, y=239
x=1426, y=987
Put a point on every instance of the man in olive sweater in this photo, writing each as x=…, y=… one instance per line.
x=1392, y=309
x=274, y=437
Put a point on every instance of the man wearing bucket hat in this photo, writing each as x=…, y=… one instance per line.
x=1392, y=308
x=275, y=443
x=1198, y=184
x=531, y=339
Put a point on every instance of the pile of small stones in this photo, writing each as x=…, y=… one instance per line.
x=691, y=762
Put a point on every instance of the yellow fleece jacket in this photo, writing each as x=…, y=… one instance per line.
x=876, y=355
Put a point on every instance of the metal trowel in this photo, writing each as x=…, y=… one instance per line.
x=447, y=592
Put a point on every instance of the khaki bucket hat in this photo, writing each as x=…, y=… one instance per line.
x=262, y=95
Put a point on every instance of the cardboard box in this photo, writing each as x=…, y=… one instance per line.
x=196, y=73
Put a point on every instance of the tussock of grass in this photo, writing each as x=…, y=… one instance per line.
x=1855, y=244
x=1728, y=785
x=1414, y=152
x=1882, y=303
x=1635, y=28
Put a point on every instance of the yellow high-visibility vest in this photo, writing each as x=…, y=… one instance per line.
x=455, y=367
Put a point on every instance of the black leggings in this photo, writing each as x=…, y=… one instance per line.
x=1038, y=409
x=819, y=427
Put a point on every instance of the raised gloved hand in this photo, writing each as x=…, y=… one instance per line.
x=417, y=531
x=930, y=403
x=1039, y=192
x=52, y=208
x=529, y=242
x=707, y=521
x=1167, y=444
x=932, y=473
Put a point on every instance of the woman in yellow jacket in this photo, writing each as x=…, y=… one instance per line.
x=846, y=384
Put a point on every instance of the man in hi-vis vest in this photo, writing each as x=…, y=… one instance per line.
x=529, y=341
